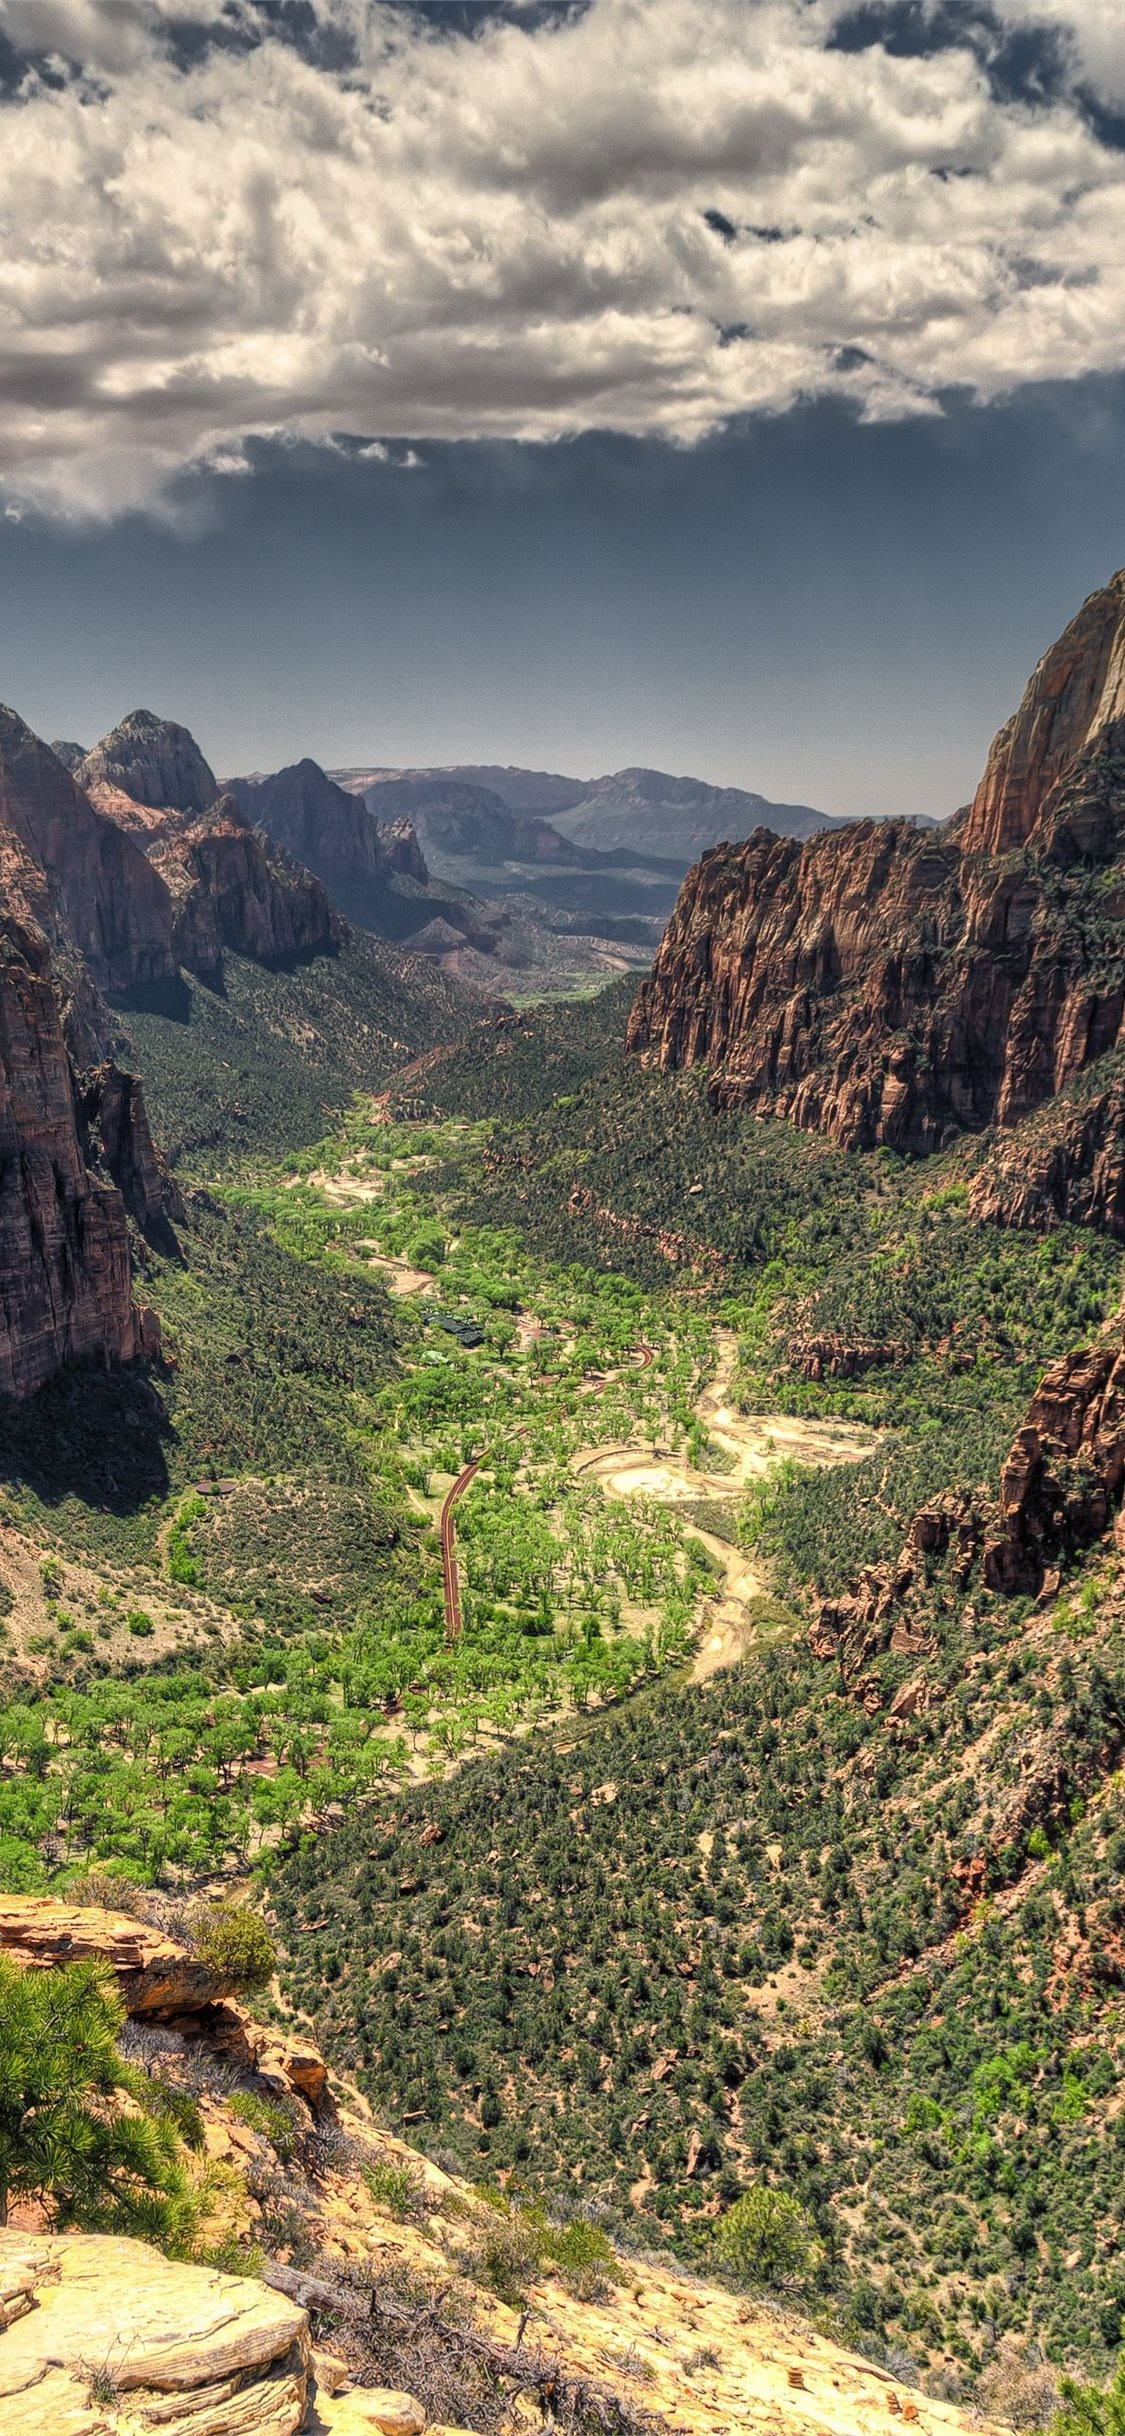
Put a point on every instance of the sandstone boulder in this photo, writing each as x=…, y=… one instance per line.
x=105, y=2337
x=371, y=2411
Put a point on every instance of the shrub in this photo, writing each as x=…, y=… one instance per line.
x=275, y=2123
x=394, y=2186
x=1092, y=2410
x=764, y=2238
x=231, y=1939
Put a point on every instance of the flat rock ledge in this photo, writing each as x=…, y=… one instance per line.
x=105, y=2337
x=160, y=1980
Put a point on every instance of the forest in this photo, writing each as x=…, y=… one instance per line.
x=579, y=1914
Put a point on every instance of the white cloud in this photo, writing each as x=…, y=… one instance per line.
x=507, y=236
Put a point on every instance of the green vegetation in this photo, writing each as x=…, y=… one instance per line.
x=763, y=2239
x=729, y=1939
x=1092, y=2410
x=821, y=1979
x=232, y=1941
x=272, y=1060
x=62, y=2143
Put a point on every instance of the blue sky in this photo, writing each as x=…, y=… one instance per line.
x=730, y=385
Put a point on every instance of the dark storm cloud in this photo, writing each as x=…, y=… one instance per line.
x=229, y=217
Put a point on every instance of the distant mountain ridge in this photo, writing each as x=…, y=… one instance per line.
x=647, y=812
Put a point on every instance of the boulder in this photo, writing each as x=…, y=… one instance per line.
x=105, y=2337
x=371, y=2411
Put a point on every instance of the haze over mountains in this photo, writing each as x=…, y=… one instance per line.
x=608, y=847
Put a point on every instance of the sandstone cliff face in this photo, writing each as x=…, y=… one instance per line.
x=883, y=985
x=1076, y=694
x=333, y=835
x=65, y=1281
x=155, y=762
x=85, y=883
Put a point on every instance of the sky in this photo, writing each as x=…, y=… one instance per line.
x=732, y=386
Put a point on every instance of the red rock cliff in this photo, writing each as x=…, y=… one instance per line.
x=885, y=985
x=74, y=873
x=65, y=1282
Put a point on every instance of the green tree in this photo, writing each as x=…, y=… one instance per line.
x=763, y=2238
x=1092, y=2410
x=64, y=2139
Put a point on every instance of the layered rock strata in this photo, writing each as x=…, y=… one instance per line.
x=65, y=1273
x=160, y=1980
x=888, y=986
x=105, y=2337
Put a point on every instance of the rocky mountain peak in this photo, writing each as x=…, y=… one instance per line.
x=1074, y=699
x=155, y=762
x=886, y=985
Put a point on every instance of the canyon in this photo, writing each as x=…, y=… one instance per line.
x=891, y=987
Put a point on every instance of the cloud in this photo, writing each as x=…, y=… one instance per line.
x=230, y=218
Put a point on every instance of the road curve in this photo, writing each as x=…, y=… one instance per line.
x=450, y=1578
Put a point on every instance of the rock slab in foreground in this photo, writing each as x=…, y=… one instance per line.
x=105, y=2337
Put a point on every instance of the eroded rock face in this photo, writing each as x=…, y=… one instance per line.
x=1061, y=1489
x=885, y=985
x=105, y=2337
x=159, y=1979
x=333, y=835
x=1062, y=1483
x=235, y=888
x=116, y=1135
x=155, y=762
x=1069, y=1164
x=1076, y=694
x=73, y=872
x=65, y=1275
x=227, y=884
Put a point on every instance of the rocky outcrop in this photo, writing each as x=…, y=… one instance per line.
x=157, y=1976
x=65, y=1276
x=115, y=1136
x=1062, y=1484
x=88, y=886
x=1075, y=698
x=889, y=986
x=1069, y=1162
x=155, y=762
x=333, y=835
x=1061, y=1490
x=105, y=2337
x=234, y=888
x=160, y=1979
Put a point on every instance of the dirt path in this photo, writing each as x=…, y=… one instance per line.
x=756, y=1444
x=450, y=1577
